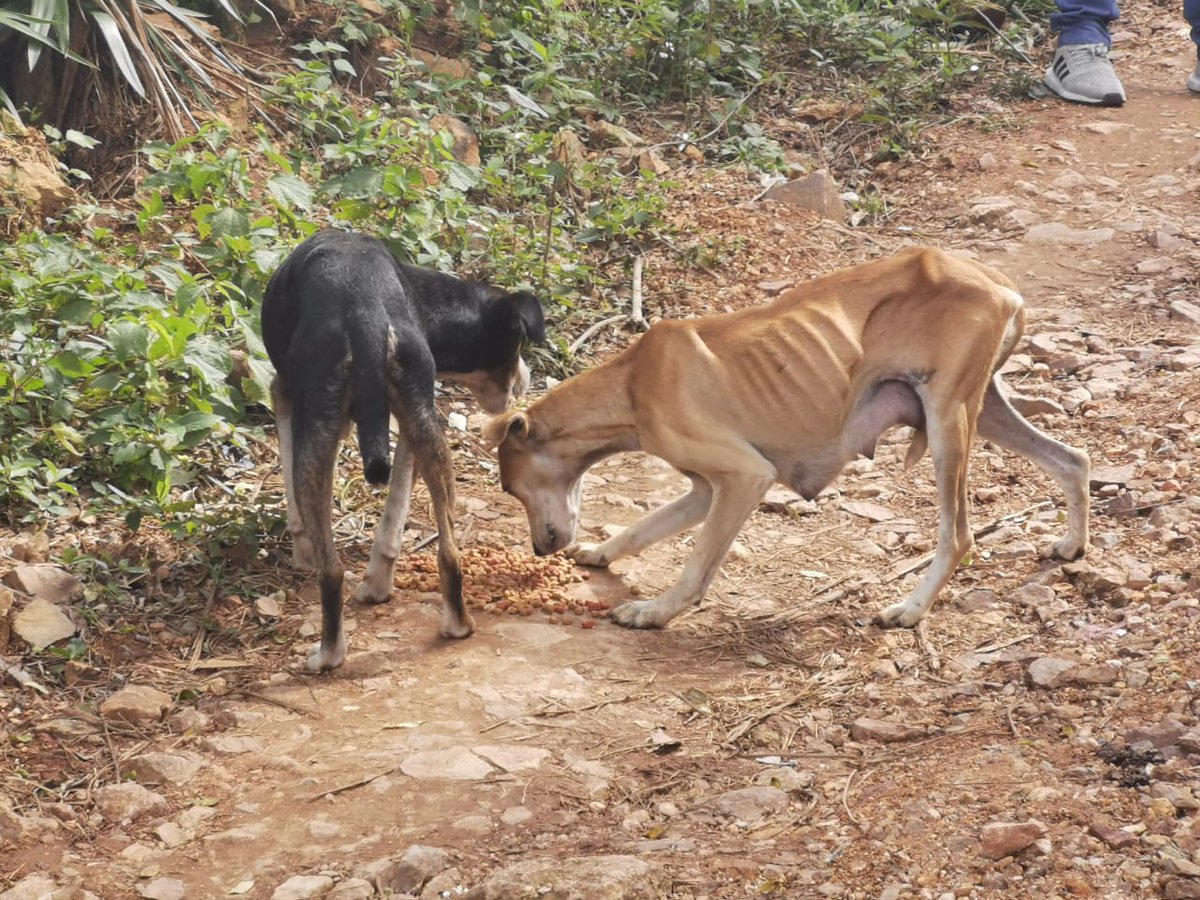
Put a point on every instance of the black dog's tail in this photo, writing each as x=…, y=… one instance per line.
x=369, y=338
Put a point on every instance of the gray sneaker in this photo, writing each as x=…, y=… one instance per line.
x=1082, y=73
x=1194, y=79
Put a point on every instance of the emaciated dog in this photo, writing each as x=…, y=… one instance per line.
x=789, y=392
x=357, y=336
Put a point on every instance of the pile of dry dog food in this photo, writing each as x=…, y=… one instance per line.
x=509, y=582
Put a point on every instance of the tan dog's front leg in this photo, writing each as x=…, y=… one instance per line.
x=734, y=498
x=676, y=516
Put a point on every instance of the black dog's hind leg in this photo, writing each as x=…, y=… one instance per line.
x=317, y=430
x=411, y=383
x=376, y=586
x=433, y=461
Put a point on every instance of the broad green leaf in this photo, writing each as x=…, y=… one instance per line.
x=361, y=183
x=80, y=139
x=230, y=222
x=130, y=453
x=525, y=102
x=71, y=364
x=462, y=178
x=120, y=52
x=129, y=339
x=196, y=421
x=210, y=358
x=530, y=44
x=290, y=191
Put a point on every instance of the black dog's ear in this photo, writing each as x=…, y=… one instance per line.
x=527, y=314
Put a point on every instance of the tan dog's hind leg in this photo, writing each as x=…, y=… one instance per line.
x=949, y=440
x=1003, y=425
x=676, y=516
x=376, y=586
x=735, y=495
x=304, y=557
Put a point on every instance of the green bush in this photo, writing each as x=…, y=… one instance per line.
x=119, y=330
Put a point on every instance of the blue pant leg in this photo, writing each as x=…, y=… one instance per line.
x=1086, y=21
x=1191, y=12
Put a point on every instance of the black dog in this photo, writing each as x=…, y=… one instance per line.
x=357, y=336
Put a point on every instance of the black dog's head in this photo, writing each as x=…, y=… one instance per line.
x=510, y=320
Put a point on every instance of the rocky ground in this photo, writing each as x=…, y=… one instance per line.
x=1037, y=736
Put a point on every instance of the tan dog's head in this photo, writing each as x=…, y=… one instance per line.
x=547, y=484
x=495, y=390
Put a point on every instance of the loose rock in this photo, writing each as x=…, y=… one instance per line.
x=749, y=804
x=1001, y=839
x=1058, y=233
x=163, y=889
x=409, y=873
x=302, y=887
x=136, y=704
x=455, y=764
x=1116, y=838
x=593, y=878
x=816, y=192
x=128, y=802
x=41, y=623
x=1049, y=671
x=886, y=732
x=164, y=768
x=46, y=582
x=32, y=887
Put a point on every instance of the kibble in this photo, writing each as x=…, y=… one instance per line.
x=509, y=582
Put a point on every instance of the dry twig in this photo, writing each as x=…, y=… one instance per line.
x=353, y=784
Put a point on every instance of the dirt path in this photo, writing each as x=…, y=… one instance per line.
x=740, y=752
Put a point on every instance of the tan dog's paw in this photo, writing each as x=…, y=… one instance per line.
x=899, y=615
x=454, y=629
x=368, y=593
x=376, y=585
x=1067, y=548
x=638, y=614
x=588, y=555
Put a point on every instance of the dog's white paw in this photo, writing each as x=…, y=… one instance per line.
x=454, y=629
x=899, y=615
x=367, y=592
x=321, y=660
x=588, y=555
x=640, y=614
x=1067, y=548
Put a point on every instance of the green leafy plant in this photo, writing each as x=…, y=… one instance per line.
x=130, y=363
x=162, y=52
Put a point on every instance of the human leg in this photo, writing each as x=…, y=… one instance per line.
x=1084, y=21
x=1191, y=12
x=1081, y=70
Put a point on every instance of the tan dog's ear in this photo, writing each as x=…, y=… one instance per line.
x=512, y=424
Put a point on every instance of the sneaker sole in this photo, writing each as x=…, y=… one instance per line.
x=1051, y=81
x=1194, y=84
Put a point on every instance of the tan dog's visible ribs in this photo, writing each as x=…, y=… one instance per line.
x=790, y=392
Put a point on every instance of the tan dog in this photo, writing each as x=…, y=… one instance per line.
x=789, y=392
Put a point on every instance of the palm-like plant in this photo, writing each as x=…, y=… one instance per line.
x=169, y=56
